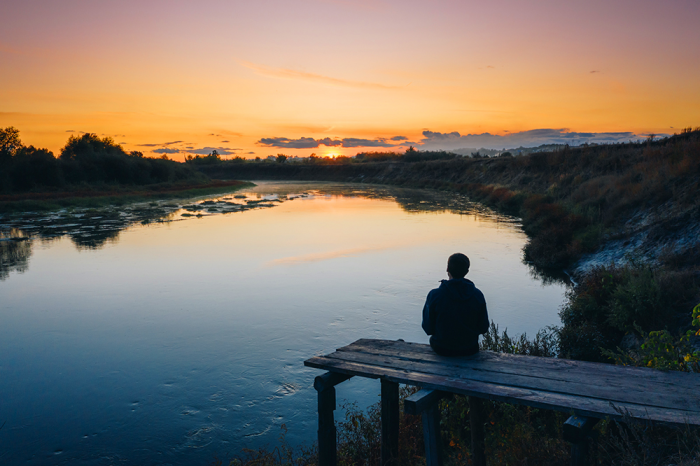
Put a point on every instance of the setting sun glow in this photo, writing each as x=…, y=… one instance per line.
x=334, y=77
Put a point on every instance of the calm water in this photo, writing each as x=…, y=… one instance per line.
x=129, y=341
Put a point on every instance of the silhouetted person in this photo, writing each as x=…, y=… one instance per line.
x=455, y=313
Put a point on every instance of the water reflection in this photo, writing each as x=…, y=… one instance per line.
x=94, y=228
x=15, y=249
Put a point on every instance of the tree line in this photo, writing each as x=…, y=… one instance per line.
x=86, y=159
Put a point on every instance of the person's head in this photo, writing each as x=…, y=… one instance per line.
x=458, y=265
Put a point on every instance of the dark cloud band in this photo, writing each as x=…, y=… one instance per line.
x=311, y=143
x=531, y=138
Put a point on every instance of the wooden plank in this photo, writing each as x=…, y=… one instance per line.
x=328, y=380
x=577, y=428
x=594, y=387
x=559, y=402
x=649, y=380
x=422, y=400
x=422, y=351
x=515, y=362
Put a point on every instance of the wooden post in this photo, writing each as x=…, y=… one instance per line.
x=390, y=423
x=326, y=428
x=325, y=385
x=477, y=418
x=425, y=403
x=577, y=430
x=431, y=436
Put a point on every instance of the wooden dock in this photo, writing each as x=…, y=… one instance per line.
x=589, y=390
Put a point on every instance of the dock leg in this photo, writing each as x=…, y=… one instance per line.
x=431, y=436
x=425, y=403
x=390, y=423
x=477, y=417
x=577, y=430
x=326, y=428
x=325, y=386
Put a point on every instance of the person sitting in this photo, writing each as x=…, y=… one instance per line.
x=455, y=313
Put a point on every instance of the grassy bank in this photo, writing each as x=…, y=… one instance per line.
x=103, y=195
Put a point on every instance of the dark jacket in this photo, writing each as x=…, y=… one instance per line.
x=455, y=315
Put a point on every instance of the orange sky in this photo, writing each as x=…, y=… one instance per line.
x=253, y=78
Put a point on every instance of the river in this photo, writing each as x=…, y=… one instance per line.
x=175, y=332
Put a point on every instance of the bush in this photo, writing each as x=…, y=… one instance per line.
x=612, y=301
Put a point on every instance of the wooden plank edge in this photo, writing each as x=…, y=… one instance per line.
x=516, y=396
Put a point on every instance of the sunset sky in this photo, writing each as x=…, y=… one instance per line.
x=340, y=76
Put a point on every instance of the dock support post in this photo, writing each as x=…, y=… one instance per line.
x=325, y=386
x=477, y=418
x=425, y=404
x=390, y=423
x=577, y=430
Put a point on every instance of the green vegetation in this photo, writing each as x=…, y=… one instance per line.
x=85, y=160
x=613, y=301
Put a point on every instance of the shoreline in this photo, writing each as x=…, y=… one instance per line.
x=98, y=196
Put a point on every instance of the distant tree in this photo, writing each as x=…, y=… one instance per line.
x=257, y=159
x=281, y=158
x=9, y=142
x=212, y=158
x=90, y=146
x=506, y=154
x=163, y=157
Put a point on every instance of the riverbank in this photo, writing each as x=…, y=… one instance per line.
x=101, y=195
x=581, y=207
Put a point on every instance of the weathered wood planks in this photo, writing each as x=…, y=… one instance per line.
x=588, y=389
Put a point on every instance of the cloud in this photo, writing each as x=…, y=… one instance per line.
x=399, y=138
x=166, y=150
x=328, y=142
x=595, y=71
x=311, y=77
x=311, y=143
x=70, y=131
x=224, y=141
x=531, y=138
x=355, y=142
x=160, y=144
x=286, y=143
x=208, y=150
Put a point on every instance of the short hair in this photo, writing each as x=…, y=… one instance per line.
x=458, y=265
